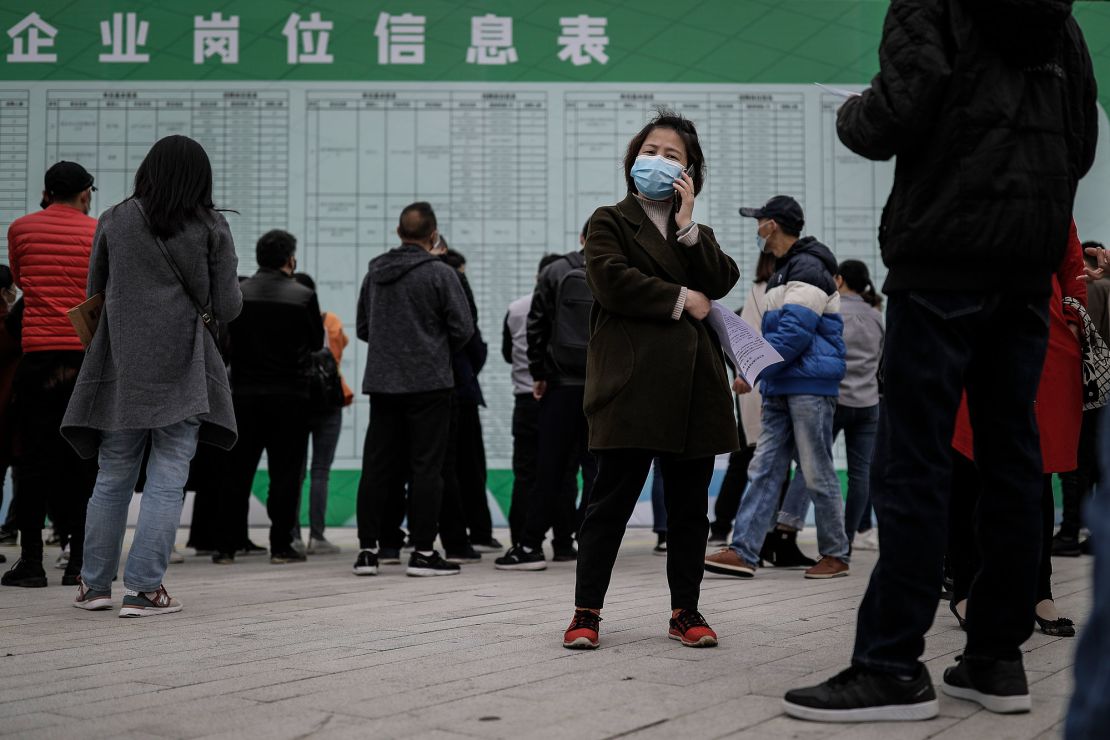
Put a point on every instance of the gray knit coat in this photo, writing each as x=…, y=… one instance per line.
x=152, y=362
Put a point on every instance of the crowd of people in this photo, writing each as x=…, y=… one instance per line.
x=992, y=302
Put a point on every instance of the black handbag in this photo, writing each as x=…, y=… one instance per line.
x=325, y=386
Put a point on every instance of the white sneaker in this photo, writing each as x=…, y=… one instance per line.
x=321, y=547
x=176, y=558
x=868, y=540
x=298, y=545
x=63, y=559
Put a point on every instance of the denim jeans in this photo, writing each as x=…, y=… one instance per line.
x=658, y=500
x=938, y=344
x=859, y=426
x=324, y=429
x=1089, y=713
x=801, y=425
x=121, y=456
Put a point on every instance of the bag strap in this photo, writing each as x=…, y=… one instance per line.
x=205, y=314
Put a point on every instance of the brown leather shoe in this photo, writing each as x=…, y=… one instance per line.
x=828, y=567
x=727, y=563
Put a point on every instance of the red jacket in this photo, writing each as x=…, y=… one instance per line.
x=1059, y=403
x=49, y=254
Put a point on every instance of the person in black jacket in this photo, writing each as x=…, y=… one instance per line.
x=563, y=432
x=989, y=107
x=271, y=345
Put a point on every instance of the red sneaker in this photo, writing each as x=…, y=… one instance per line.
x=582, y=632
x=691, y=629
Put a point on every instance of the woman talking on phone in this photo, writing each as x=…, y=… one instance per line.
x=656, y=384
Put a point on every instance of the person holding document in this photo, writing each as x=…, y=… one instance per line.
x=656, y=384
x=802, y=322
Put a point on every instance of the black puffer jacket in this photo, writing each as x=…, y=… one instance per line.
x=989, y=107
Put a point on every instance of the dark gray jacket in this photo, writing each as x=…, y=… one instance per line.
x=152, y=362
x=413, y=315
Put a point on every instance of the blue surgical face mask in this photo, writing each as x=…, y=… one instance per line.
x=761, y=241
x=654, y=175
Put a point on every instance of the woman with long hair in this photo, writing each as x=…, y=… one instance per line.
x=165, y=263
x=656, y=385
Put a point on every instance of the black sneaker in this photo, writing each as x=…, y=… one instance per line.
x=389, y=556
x=1066, y=546
x=517, y=559
x=367, y=563
x=430, y=565
x=281, y=557
x=25, y=574
x=8, y=536
x=490, y=545
x=660, y=544
x=223, y=558
x=252, y=549
x=860, y=695
x=70, y=578
x=463, y=557
x=566, y=554
x=997, y=685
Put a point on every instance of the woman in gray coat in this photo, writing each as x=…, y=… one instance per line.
x=153, y=374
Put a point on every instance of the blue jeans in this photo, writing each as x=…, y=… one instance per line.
x=800, y=425
x=658, y=501
x=1089, y=713
x=859, y=426
x=121, y=457
x=324, y=429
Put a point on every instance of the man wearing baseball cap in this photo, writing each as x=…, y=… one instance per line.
x=801, y=320
x=49, y=254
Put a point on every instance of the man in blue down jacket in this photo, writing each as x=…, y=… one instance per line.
x=801, y=320
x=989, y=108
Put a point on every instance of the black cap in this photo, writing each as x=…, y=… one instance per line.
x=67, y=179
x=782, y=209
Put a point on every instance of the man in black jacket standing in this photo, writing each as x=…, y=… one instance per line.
x=558, y=331
x=271, y=343
x=989, y=107
x=413, y=316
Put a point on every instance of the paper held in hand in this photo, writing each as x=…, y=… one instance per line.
x=85, y=317
x=744, y=348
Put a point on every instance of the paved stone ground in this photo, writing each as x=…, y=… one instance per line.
x=295, y=651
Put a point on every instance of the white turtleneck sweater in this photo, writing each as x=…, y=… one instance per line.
x=659, y=212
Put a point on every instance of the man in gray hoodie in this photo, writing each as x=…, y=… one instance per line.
x=413, y=315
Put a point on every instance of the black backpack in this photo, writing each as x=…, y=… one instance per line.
x=570, y=332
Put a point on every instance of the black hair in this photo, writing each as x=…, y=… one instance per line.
x=790, y=231
x=765, y=267
x=454, y=258
x=1090, y=259
x=417, y=222
x=306, y=280
x=6, y=279
x=174, y=184
x=858, y=278
x=585, y=230
x=274, y=249
x=695, y=160
x=546, y=260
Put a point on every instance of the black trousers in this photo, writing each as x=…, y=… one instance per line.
x=1076, y=486
x=395, y=507
x=277, y=425
x=964, y=558
x=562, y=442
x=620, y=479
x=470, y=468
x=938, y=344
x=407, y=440
x=732, y=489
x=526, y=428
x=452, y=513
x=50, y=476
x=206, y=475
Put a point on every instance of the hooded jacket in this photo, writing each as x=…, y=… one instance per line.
x=801, y=320
x=990, y=108
x=413, y=315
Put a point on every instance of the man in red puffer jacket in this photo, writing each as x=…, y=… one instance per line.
x=49, y=254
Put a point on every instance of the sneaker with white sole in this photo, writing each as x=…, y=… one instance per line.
x=430, y=565
x=176, y=558
x=867, y=540
x=999, y=686
x=63, y=559
x=321, y=547
x=149, y=604
x=861, y=695
x=366, y=564
x=90, y=600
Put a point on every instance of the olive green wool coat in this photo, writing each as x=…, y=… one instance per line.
x=652, y=382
